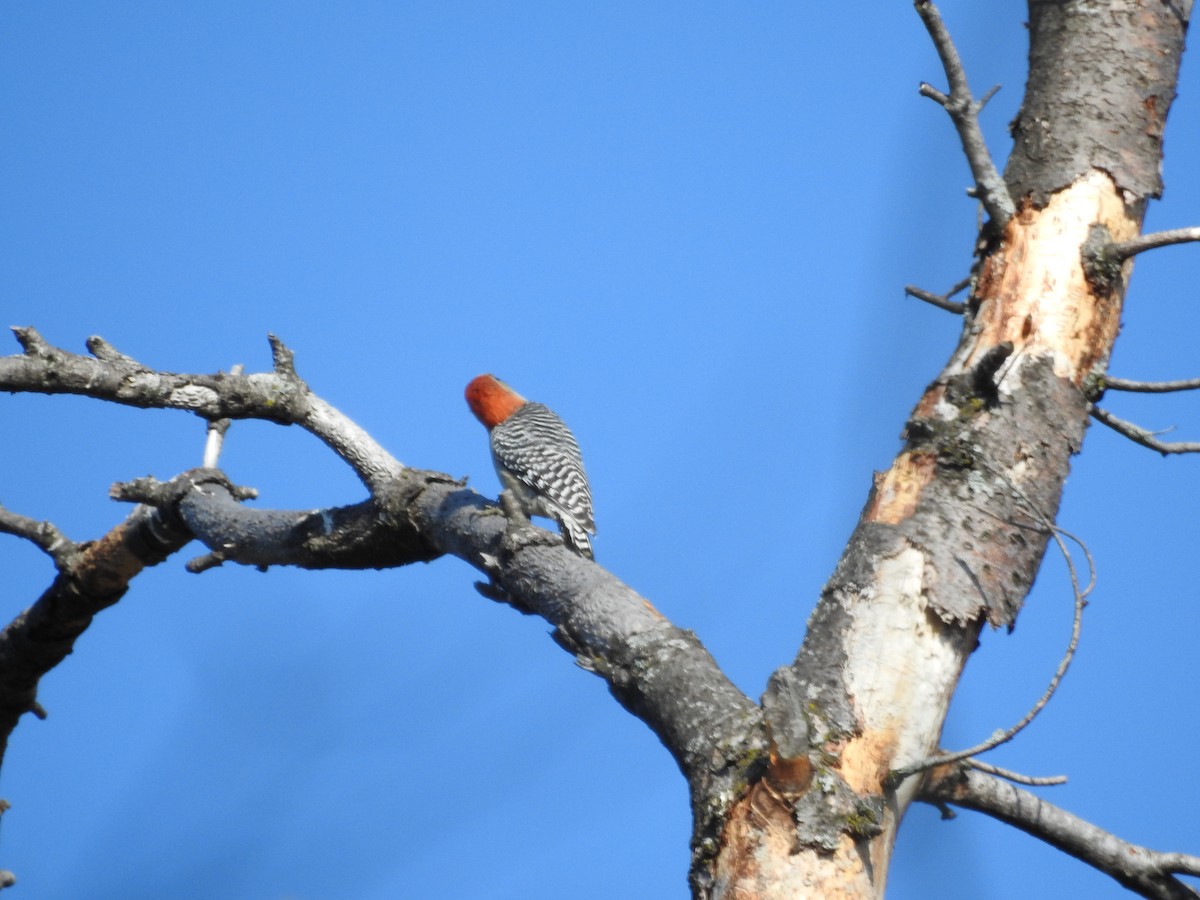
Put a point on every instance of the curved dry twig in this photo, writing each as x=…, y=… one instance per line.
x=964, y=111
x=1017, y=777
x=999, y=737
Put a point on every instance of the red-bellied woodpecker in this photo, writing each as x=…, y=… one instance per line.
x=537, y=459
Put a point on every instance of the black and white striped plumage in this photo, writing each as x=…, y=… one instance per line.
x=538, y=461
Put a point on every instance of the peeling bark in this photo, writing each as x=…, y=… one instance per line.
x=1101, y=80
x=954, y=532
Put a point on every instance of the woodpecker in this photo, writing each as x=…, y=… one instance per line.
x=537, y=459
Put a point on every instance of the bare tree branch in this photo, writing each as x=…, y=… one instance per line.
x=96, y=577
x=1152, y=241
x=659, y=672
x=964, y=111
x=1150, y=387
x=279, y=396
x=1141, y=870
x=360, y=536
x=1103, y=257
x=1009, y=775
x=1140, y=435
x=45, y=535
x=941, y=301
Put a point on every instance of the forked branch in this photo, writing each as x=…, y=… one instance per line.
x=277, y=396
x=44, y=535
x=661, y=673
x=964, y=110
x=941, y=301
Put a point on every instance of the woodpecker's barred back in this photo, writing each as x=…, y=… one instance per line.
x=537, y=459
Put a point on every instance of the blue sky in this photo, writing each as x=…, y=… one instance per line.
x=684, y=227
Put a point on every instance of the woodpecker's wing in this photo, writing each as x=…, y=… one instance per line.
x=536, y=446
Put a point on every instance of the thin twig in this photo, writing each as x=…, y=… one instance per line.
x=1150, y=387
x=1009, y=775
x=216, y=432
x=1140, y=435
x=964, y=111
x=941, y=301
x=1003, y=737
x=1153, y=241
x=935, y=299
x=44, y=535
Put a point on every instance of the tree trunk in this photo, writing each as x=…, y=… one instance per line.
x=954, y=532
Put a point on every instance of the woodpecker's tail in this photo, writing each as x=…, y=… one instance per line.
x=576, y=537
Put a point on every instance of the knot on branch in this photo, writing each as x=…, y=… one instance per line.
x=284, y=362
x=1094, y=386
x=978, y=388
x=953, y=441
x=788, y=729
x=1101, y=262
x=831, y=809
x=32, y=343
x=106, y=352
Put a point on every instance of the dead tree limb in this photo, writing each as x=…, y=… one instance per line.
x=93, y=578
x=1142, y=436
x=1150, y=387
x=1152, y=241
x=941, y=301
x=1141, y=870
x=964, y=110
x=660, y=673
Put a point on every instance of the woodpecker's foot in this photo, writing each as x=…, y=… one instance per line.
x=511, y=506
x=521, y=532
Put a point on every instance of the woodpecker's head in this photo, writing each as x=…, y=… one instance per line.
x=492, y=400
